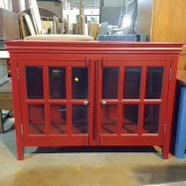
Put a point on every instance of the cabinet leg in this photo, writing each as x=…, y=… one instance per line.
x=20, y=144
x=1, y=122
x=20, y=152
x=165, y=152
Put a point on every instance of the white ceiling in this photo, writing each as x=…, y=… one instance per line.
x=88, y=3
x=93, y=3
x=96, y=3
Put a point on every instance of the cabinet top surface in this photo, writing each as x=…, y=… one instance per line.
x=18, y=46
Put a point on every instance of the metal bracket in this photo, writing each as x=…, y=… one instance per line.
x=17, y=73
x=165, y=128
x=22, y=129
x=170, y=74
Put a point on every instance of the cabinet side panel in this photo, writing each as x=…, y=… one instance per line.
x=170, y=104
x=17, y=106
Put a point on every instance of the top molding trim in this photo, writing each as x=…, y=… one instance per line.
x=91, y=47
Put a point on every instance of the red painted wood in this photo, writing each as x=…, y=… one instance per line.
x=46, y=98
x=121, y=83
x=17, y=106
x=93, y=47
x=142, y=97
x=98, y=100
x=169, y=106
x=69, y=97
x=94, y=56
x=91, y=127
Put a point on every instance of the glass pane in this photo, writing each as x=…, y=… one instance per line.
x=36, y=119
x=57, y=83
x=151, y=118
x=80, y=83
x=58, y=116
x=110, y=119
x=132, y=83
x=80, y=119
x=110, y=83
x=130, y=118
x=34, y=77
x=154, y=83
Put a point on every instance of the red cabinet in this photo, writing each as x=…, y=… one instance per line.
x=93, y=93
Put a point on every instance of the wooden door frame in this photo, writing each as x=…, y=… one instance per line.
x=122, y=62
x=71, y=140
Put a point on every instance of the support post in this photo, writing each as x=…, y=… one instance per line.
x=81, y=18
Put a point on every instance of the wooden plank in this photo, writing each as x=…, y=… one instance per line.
x=182, y=61
x=20, y=28
x=181, y=75
x=36, y=16
x=169, y=24
x=23, y=29
x=29, y=24
x=81, y=18
x=169, y=21
x=94, y=30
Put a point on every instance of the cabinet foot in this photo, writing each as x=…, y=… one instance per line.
x=20, y=153
x=165, y=153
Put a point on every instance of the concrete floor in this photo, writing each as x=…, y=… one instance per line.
x=72, y=168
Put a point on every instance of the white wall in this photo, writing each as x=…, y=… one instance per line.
x=7, y=4
x=144, y=17
x=113, y=3
x=52, y=6
x=1, y=4
x=73, y=14
x=110, y=11
x=22, y=5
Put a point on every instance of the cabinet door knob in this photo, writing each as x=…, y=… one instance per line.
x=85, y=102
x=103, y=102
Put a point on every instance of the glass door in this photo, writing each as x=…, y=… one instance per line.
x=131, y=101
x=57, y=101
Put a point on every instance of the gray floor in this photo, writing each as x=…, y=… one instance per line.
x=69, y=168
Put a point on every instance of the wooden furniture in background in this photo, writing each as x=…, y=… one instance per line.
x=182, y=63
x=5, y=101
x=58, y=101
x=169, y=25
x=5, y=83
